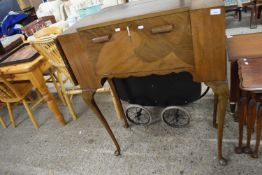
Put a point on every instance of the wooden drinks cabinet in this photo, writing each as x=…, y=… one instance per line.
x=150, y=37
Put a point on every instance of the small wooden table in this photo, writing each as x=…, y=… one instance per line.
x=33, y=71
x=251, y=89
x=241, y=46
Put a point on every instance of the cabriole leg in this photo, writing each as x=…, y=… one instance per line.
x=89, y=99
x=251, y=118
x=258, y=132
x=242, y=109
x=221, y=89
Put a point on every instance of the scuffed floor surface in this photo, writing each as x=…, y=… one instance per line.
x=83, y=146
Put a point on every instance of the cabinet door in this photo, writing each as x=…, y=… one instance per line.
x=146, y=45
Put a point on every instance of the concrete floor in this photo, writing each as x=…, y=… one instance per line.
x=83, y=146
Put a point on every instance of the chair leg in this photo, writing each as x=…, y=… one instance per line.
x=11, y=115
x=239, y=14
x=70, y=107
x=251, y=118
x=253, y=20
x=30, y=114
x=67, y=99
x=59, y=92
x=37, y=103
x=256, y=15
x=2, y=122
x=259, y=12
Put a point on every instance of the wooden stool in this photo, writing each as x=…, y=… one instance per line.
x=251, y=90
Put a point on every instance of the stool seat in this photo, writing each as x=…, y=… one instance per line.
x=250, y=74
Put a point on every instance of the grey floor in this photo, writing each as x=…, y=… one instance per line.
x=83, y=146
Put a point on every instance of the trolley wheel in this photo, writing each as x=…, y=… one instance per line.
x=175, y=116
x=138, y=115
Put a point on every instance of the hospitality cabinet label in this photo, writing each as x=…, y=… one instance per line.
x=215, y=11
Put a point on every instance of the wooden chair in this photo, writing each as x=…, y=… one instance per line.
x=46, y=46
x=46, y=32
x=232, y=6
x=51, y=74
x=13, y=92
x=255, y=8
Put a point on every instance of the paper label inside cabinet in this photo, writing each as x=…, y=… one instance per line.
x=215, y=11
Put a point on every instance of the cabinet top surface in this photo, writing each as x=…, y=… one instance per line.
x=138, y=9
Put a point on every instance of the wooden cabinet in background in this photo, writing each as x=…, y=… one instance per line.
x=38, y=24
x=150, y=37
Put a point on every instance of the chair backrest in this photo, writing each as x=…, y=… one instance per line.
x=46, y=32
x=8, y=93
x=46, y=46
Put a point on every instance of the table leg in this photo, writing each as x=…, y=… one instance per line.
x=258, y=132
x=242, y=109
x=89, y=99
x=221, y=89
x=250, y=118
x=37, y=79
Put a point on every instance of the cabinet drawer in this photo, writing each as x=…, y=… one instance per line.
x=151, y=44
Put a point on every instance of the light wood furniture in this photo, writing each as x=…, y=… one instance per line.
x=150, y=37
x=47, y=47
x=45, y=43
x=52, y=71
x=251, y=94
x=13, y=92
x=2, y=122
x=23, y=4
x=46, y=32
x=33, y=71
x=241, y=46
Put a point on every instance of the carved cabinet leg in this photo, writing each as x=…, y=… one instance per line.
x=251, y=118
x=242, y=109
x=118, y=103
x=221, y=89
x=258, y=132
x=89, y=99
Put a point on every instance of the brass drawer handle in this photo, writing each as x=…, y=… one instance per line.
x=101, y=39
x=162, y=29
